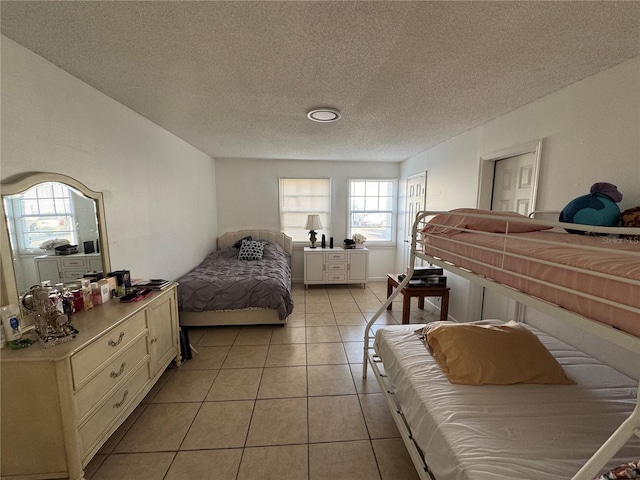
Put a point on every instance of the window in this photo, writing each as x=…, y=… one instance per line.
x=300, y=197
x=372, y=209
x=43, y=213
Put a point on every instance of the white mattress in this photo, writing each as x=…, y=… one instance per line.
x=507, y=432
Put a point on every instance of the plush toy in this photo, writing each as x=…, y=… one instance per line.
x=597, y=208
x=631, y=218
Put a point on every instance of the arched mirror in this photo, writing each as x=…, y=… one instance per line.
x=42, y=211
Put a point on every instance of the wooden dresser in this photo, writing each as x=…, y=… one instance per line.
x=60, y=404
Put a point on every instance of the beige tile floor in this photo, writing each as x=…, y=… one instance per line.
x=263, y=402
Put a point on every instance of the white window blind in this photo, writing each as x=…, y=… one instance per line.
x=300, y=197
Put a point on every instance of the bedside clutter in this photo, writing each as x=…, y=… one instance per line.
x=426, y=277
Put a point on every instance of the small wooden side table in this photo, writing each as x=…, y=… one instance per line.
x=421, y=292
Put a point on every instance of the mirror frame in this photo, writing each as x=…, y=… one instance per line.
x=22, y=183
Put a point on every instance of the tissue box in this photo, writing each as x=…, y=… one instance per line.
x=113, y=283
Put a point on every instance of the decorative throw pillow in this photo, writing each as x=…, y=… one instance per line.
x=251, y=250
x=493, y=355
x=238, y=244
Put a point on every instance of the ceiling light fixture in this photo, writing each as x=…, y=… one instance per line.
x=324, y=115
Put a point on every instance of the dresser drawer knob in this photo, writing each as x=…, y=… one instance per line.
x=121, y=402
x=117, y=374
x=115, y=344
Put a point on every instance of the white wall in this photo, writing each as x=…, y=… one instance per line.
x=247, y=197
x=159, y=191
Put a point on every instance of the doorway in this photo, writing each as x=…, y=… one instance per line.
x=416, y=196
x=508, y=182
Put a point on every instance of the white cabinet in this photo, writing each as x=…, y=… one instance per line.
x=66, y=268
x=358, y=268
x=313, y=266
x=163, y=332
x=60, y=404
x=335, y=265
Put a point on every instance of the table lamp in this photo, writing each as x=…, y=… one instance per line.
x=313, y=224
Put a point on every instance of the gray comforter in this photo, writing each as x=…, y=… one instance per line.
x=222, y=282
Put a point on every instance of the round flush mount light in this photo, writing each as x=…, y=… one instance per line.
x=324, y=115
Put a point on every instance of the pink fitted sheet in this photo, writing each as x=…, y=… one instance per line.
x=618, y=258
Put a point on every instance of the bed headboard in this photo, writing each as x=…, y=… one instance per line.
x=280, y=238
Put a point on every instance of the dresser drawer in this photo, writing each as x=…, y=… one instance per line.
x=74, y=262
x=336, y=267
x=110, y=376
x=116, y=404
x=70, y=275
x=336, y=256
x=336, y=277
x=88, y=359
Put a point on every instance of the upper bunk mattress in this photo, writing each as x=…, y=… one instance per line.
x=222, y=282
x=524, y=432
x=561, y=264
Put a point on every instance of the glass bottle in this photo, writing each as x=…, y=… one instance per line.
x=86, y=294
x=96, y=294
x=78, y=300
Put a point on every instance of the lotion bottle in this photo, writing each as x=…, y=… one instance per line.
x=10, y=322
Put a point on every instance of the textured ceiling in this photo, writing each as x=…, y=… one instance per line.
x=235, y=79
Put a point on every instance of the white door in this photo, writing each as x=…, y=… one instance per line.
x=416, y=200
x=513, y=184
x=513, y=181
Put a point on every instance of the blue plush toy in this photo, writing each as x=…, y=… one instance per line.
x=597, y=208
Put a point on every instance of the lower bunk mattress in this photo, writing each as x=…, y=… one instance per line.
x=511, y=432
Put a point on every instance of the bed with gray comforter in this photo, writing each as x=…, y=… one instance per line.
x=223, y=282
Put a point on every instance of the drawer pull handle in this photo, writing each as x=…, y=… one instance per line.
x=115, y=344
x=154, y=340
x=116, y=375
x=121, y=402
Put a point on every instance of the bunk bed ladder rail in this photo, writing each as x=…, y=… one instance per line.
x=628, y=428
x=370, y=358
x=412, y=260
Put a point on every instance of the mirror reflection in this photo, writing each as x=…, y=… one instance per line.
x=54, y=234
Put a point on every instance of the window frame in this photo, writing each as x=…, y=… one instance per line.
x=325, y=213
x=19, y=214
x=392, y=212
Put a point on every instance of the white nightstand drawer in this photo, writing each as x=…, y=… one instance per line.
x=88, y=359
x=110, y=376
x=117, y=403
x=336, y=255
x=336, y=277
x=336, y=267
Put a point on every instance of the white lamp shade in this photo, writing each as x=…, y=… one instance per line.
x=313, y=222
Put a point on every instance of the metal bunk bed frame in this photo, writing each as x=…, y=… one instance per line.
x=629, y=428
